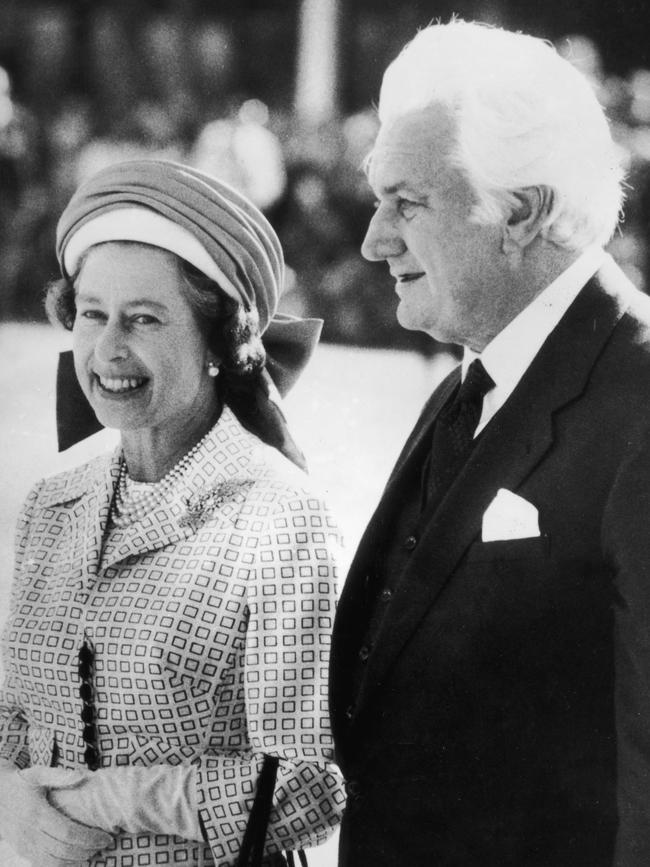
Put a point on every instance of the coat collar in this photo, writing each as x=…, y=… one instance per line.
x=224, y=468
x=510, y=447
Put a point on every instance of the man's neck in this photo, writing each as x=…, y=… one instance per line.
x=524, y=280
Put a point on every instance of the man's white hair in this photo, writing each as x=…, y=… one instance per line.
x=525, y=117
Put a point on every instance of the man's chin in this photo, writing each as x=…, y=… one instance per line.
x=412, y=322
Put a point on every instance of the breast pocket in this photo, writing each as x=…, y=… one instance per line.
x=505, y=550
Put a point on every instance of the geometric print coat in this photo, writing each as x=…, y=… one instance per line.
x=211, y=621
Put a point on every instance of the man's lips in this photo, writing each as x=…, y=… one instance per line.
x=408, y=277
x=121, y=384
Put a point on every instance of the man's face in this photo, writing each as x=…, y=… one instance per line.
x=444, y=264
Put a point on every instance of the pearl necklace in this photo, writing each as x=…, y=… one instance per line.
x=133, y=504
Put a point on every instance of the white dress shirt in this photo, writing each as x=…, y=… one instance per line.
x=508, y=355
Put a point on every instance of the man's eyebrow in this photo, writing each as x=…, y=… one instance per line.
x=401, y=187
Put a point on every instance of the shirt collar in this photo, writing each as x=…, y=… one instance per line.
x=507, y=357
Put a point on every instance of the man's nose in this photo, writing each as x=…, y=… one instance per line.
x=112, y=344
x=382, y=241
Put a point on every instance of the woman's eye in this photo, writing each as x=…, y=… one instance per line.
x=90, y=314
x=145, y=319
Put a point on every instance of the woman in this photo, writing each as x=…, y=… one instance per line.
x=172, y=603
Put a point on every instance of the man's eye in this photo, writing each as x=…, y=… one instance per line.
x=406, y=207
x=145, y=319
x=91, y=314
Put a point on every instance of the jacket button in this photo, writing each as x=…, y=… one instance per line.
x=349, y=711
x=386, y=595
x=353, y=789
x=364, y=653
x=410, y=542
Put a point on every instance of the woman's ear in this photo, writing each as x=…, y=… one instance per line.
x=527, y=218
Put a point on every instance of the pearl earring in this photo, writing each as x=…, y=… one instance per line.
x=213, y=369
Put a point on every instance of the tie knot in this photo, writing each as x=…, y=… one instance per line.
x=476, y=384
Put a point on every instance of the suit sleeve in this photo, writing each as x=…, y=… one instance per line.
x=13, y=724
x=627, y=545
x=291, y=601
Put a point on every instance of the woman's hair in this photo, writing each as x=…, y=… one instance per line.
x=232, y=333
x=524, y=117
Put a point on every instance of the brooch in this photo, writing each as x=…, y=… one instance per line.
x=204, y=503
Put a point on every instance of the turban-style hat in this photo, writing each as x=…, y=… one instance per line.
x=215, y=228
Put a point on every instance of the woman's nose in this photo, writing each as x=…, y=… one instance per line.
x=112, y=344
x=382, y=241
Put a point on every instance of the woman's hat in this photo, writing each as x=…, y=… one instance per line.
x=204, y=221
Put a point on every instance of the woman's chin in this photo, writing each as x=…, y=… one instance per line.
x=118, y=416
x=120, y=409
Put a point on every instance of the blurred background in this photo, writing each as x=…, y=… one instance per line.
x=275, y=96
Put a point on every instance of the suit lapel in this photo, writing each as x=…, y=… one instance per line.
x=422, y=431
x=511, y=446
x=391, y=497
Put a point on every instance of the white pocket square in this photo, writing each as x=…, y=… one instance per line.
x=509, y=516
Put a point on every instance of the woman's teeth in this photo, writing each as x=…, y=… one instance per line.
x=120, y=385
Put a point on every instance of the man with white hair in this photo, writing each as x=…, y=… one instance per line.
x=490, y=682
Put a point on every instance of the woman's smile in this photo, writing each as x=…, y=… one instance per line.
x=119, y=386
x=140, y=355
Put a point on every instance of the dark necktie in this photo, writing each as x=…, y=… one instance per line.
x=453, y=432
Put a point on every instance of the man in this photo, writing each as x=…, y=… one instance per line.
x=491, y=662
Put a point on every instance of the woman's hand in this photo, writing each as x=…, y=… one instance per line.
x=160, y=799
x=37, y=831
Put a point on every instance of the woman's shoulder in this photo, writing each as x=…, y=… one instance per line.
x=73, y=483
x=239, y=455
x=276, y=478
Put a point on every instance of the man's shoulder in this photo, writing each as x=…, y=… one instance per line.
x=630, y=340
x=634, y=303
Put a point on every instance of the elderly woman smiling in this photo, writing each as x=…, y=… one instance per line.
x=168, y=637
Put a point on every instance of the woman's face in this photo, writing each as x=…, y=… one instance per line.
x=139, y=354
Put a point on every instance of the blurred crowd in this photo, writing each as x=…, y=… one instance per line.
x=171, y=85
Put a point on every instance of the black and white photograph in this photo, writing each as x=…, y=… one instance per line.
x=325, y=442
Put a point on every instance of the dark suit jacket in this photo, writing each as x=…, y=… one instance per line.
x=503, y=715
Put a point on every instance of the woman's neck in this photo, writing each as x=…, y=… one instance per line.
x=150, y=453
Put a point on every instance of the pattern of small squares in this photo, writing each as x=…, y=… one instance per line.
x=211, y=630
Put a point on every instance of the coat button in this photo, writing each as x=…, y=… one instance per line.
x=386, y=595
x=364, y=653
x=410, y=542
x=349, y=711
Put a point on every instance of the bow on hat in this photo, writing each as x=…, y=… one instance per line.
x=218, y=230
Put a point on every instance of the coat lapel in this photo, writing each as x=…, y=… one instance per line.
x=511, y=446
x=214, y=490
x=422, y=431
x=392, y=495
x=86, y=492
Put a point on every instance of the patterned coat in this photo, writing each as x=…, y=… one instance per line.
x=211, y=622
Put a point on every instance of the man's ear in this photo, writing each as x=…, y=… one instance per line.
x=527, y=217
